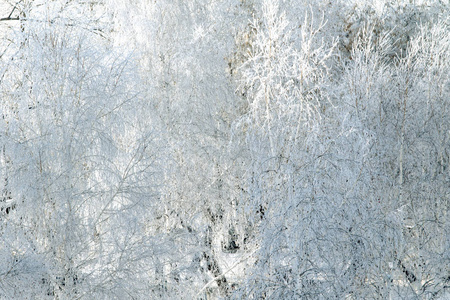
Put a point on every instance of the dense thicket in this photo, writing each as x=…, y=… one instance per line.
x=241, y=149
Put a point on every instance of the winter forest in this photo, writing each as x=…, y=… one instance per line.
x=239, y=149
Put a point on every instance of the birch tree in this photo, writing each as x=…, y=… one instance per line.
x=80, y=165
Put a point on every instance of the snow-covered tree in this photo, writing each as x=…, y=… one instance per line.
x=81, y=165
x=243, y=149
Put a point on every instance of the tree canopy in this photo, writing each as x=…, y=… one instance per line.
x=241, y=149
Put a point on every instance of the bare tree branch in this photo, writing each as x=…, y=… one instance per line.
x=10, y=17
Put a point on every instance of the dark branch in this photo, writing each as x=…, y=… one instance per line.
x=409, y=275
x=9, y=18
